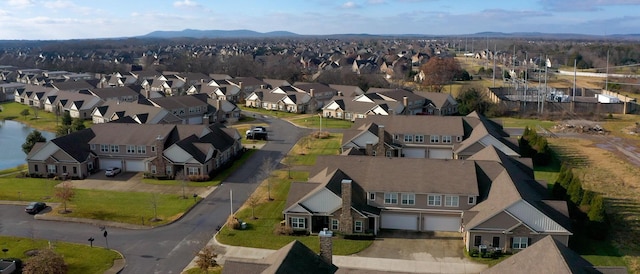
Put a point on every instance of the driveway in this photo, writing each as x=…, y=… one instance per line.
x=421, y=246
x=132, y=182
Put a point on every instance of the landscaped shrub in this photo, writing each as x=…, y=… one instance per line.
x=535, y=146
x=283, y=230
x=587, y=197
x=198, y=178
x=233, y=222
x=474, y=252
x=575, y=191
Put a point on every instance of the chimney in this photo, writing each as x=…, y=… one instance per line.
x=380, y=150
x=346, y=220
x=312, y=92
x=326, y=245
x=240, y=85
x=205, y=120
x=368, y=149
x=159, y=160
x=405, y=101
x=340, y=93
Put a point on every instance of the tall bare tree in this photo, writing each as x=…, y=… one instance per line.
x=267, y=167
x=65, y=192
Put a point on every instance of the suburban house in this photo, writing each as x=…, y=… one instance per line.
x=73, y=86
x=78, y=105
x=441, y=103
x=247, y=85
x=190, y=108
x=116, y=93
x=285, y=98
x=550, y=256
x=361, y=106
x=222, y=111
x=160, y=149
x=492, y=198
x=294, y=257
x=141, y=113
x=436, y=137
x=8, y=90
x=320, y=92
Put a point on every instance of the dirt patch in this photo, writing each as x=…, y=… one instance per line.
x=609, y=166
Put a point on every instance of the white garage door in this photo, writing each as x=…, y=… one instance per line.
x=195, y=120
x=414, y=153
x=441, y=223
x=107, y=163
x=135, y=166
x=399, y=221
x=440, y=154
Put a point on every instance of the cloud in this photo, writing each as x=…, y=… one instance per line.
x=583, y=5
x=20, y=3
x=350, y=5
x=186, y=4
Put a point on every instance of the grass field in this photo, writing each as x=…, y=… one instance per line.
x=260, y=232
x=308, y=149
x=277, y=114
x=80, y=259
x=45, y=121
x=125, y=207
x=327, y=123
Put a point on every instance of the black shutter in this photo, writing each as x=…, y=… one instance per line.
x=511, y=243
x=528, y=242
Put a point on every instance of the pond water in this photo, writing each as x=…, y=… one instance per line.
x=12, y=136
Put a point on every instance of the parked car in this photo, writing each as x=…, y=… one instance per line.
x=112, y=171
x=257, y=133
x=35, y=207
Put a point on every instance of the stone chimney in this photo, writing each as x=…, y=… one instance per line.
x=368, y=149
x=380, y=149
x=346, y=220
x=405, y=101
x=326, y=245
x=159, y=160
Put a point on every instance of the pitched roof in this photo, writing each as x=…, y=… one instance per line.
x=76, y=144
x=416, y=124
x=547, y=256
x=295, y=257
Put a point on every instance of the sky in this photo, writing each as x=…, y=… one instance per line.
x=80, y=19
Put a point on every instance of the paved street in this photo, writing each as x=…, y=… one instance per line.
x=170, y=248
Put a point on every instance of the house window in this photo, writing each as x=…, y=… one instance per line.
x=153, y=169
x=142, y=150
x=51, y=169
x=75, y=170
x=446, y=139
x=35, y=168
x=168, y=169
x=357, y=226
x=388, y=153
x=194, y=171
x=115, y=148
x=93, y=146
x=408, y=138
x=390, y=198
x=153, y=149
x=335, y=224
x=419, y=138
x=372, y=195
x=520, y=242
x=434, y=200
x=496, y=242
x=408, y=198
x=477, y=240
x=104, y=148
x=451, y=201
x=131, y=149
x=458, y=138
x=435, y=138
x=472, y=200
x=64, y=169
x=297, y=222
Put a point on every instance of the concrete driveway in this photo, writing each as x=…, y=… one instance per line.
x=132, y=182
x=421, y=246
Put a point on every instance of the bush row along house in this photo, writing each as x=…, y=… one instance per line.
x=490, y=196
x=438, y=137
x=161, y=150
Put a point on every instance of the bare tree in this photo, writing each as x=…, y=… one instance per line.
x=206, y=258
x=253, y=201
x=65, y=193
x=183, y=182
x=154, y=206
x=267, y=167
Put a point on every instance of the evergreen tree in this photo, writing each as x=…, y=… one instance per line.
x=587, y=197
x=596, y=211
x=33, y=138
x=66, y=118
x=575, y=191
x=77, y=125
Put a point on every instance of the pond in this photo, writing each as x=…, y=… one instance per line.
x=12, y=136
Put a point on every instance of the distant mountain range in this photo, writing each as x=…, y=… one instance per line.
x=192, y=33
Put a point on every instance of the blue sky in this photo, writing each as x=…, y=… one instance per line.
x=77, y=19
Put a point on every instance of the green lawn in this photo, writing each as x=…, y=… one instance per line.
x=8, y=171
x=79, y=258
x=327, y=123
x=45, y=121
x=277, y=114
x=125, y=207
x=213, y=182
x=309, y=148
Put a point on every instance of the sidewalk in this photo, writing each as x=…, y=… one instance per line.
x=350, y=262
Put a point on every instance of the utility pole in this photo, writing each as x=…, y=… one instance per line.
x=231, y=200
x=544, y=96
x=606, y=81
x=575, y=62
x=494, y=65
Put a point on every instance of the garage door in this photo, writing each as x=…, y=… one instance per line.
x=441, y=223
x=399, y=221
x=195, y=120
x=135, y=166
x=414, y=153
x=107, y=163
x=440, y=154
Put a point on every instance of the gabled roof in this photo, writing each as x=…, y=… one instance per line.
x=548, y=256
x=416, y=124
x=295, y=257
x=72, y=85
x=76, y=144
x=176, y=102
x=113, y=92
